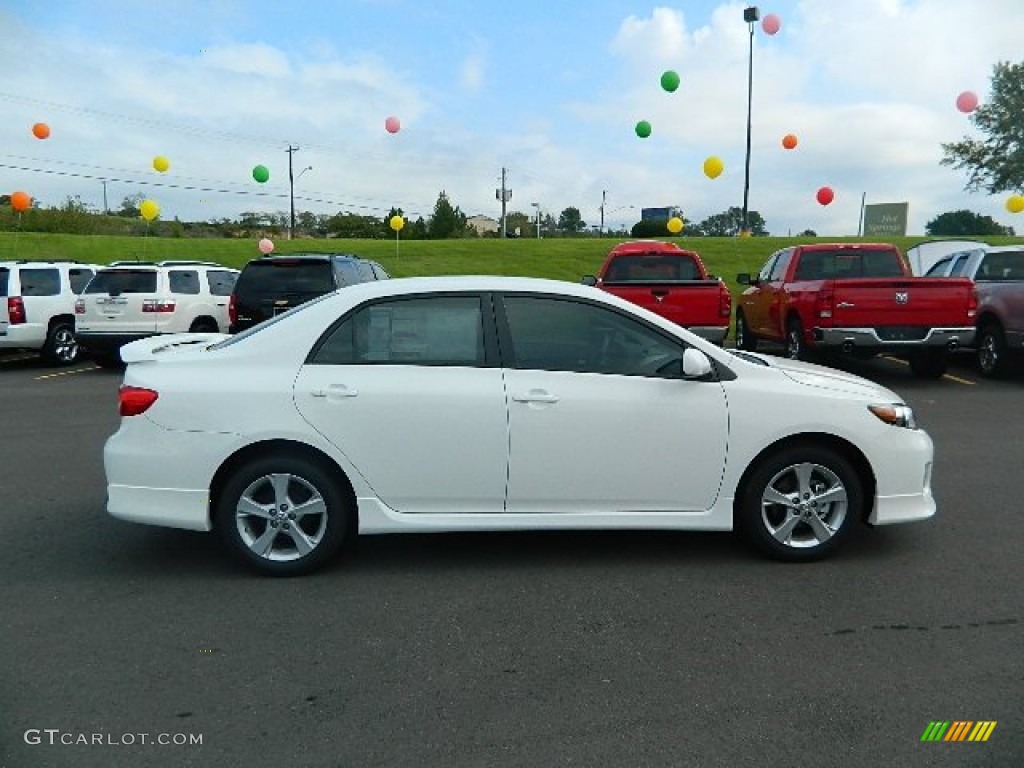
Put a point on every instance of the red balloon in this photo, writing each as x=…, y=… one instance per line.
x=789, y=141
x=41, y=131
x=771, y=24
x=967, y=101
x=825, y=195
x=392, y=124
x=21, y=201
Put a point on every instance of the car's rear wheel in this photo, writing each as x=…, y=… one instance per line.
x=991, y=351
x=929, y=365
x=745, y=340
x=283, y=515
x=204, y=325
x=61, y=347
x=800, y=503
x=796, y=348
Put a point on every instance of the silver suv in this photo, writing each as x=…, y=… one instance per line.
x=38, y=309
x=134, y=301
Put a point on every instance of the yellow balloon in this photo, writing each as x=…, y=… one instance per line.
x=149, y=210
x=1015, y=203
x=161, y=163
x=396, y=222
x=675, y=225
x=713, y=167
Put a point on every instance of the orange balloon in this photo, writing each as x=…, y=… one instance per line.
x=41, y=131
x=21, y=201
x=789, y=141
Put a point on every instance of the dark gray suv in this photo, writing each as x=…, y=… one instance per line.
x=271, y=285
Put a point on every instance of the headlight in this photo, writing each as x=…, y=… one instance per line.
x=898, y=415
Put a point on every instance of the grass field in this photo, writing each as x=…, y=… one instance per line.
x=556, y=258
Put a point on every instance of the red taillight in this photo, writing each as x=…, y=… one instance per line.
x=79, y=306
x=135, y=400
x=724, y=301
x=232, y=309
x=826, y=302
x=16, y=310
x=158, y=305
x=972, y=304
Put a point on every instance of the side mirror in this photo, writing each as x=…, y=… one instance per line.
x=696, y=364
x=589, y=280
x=743, y=278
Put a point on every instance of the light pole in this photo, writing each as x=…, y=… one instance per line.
x=537, y=219
x=750, y=15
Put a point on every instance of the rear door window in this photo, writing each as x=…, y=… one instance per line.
x=5, y=275
x=79, y=278
x=40, y=282
x=116, y=282
x=185, y=281
x=349, y=274
x=222, y=281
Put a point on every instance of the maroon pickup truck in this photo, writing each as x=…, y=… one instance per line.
x=670, y=282
x=856, y=298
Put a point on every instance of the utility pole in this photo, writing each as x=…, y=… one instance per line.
x=604, y=197
x=291, y=190
x=504, y=195
x=750, y=15
x=105, y=208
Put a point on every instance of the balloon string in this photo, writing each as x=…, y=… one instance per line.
x=396, y=243
x=17, y=235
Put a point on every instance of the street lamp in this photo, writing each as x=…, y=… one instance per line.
x=750, y=15
x=291, y=195
x=537, y=219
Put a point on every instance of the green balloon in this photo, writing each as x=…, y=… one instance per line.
x=260, y=173
x=643, y=129
x=670, y=80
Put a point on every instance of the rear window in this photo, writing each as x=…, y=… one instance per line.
x=40, y=282
x=4, y=275
x=838, y=264
x=118, y=281
x=651, y=269
x=1006, y=265
x=283, y=277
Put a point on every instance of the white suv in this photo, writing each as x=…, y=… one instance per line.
x=38, y=309
x=131, y=301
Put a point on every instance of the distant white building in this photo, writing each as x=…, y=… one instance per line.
x=482, y=224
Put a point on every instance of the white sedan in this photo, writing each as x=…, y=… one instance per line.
x=492, y=403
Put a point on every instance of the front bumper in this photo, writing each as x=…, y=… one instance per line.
x=882, y=338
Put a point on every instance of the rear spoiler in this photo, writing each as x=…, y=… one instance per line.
x=145, y=350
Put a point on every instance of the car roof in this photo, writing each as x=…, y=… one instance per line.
x=306, y=256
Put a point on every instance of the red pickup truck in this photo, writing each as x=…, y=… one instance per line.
x=669, y=281
x=856, y=298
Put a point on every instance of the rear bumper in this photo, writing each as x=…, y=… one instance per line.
x=713, y=333
x=108, y=342
x=23, y=336
x=848, y=338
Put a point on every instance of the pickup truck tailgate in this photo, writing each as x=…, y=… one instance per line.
x=684, y=302
x=909, y=302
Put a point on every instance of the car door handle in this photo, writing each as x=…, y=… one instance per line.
x=536, y=396
x=335, y=390
x=845, y=304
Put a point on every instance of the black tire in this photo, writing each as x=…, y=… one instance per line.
x=203, y=325
x=802, y=531
x=745, y=340
x=274, y=545
x=929, y=365
x=991, y=346
x=796, y=347
x=61, y=347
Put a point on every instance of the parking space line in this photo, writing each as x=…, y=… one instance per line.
x=67, y=373
x=949, y=376
x=17, y=359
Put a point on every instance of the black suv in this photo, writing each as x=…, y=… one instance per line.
x=271, y=285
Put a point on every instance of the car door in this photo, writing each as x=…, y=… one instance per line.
x=404, y=388
x=774, y=301
x=597, y=420
x=756, y=299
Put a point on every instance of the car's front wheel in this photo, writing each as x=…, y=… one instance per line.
x=796, y=347
x=744, y=339
x=800, y=503
x=283, y=515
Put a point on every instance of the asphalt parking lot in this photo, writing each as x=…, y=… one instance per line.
x=599, y=649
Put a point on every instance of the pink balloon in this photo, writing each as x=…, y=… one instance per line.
x=967, y=101
x=392, y=124
x=266, y=246
x=771, y=24
x=825, y=195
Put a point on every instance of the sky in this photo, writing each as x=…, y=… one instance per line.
x=550, y=92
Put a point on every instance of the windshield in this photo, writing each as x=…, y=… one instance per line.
x=118, y=281
x=278, y=278
x=842, y=263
